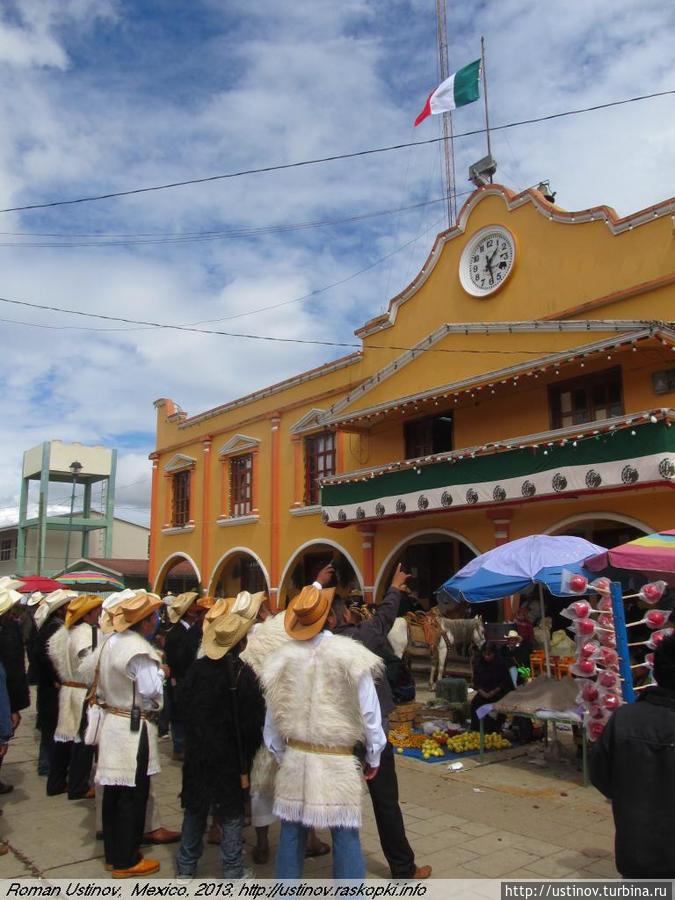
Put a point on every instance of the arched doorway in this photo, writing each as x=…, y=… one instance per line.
x=238, y=570
x=606, y=529
x=432, y=557
x=178, y=574
x=308, y=560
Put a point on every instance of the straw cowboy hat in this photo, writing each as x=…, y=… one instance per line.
x=35, y=598
x=513, y=635
x=51, y=603
x=131, y=612
x=80, y=606
x=10, y=584
x=178, y=607
x=307, y=613
x=8, y=598
x=108, y=608
x=224, y=631
x=206, y=602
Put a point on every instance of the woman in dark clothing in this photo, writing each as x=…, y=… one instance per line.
x=491, y=681
x=12, y=657
x=224, y=714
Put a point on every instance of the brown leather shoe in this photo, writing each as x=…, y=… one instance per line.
x=142, y=867
x=161, y=836
x=422, y=872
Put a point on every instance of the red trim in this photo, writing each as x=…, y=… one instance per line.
x=425, y=112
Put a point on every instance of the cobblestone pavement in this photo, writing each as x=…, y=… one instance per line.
x=508, y=817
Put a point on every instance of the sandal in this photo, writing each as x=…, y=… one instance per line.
x=318, y=849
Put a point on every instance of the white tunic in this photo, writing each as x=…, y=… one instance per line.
x=67, y=649
x=127, y=660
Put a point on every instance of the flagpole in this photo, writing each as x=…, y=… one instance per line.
x=448, y=139
x=485, y=96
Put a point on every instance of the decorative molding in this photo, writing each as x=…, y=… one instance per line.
x=311, y=419
x=305, y=510
x=238, y=443
x=179, y=462
x=631, y=331
x=229, y=521
x=512, y=201
x=178, y=529
x=173, y=412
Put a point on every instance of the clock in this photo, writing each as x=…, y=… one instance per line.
x=487, y=261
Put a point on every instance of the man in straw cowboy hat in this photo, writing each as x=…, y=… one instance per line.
x=321, y=702
x=223, y=730
x=12, y=657
x=49, y=617
x=71, y=650
x=372, y=633
x=181, y=646
x=130, y=684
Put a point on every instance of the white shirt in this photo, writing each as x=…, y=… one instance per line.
x=370, y=712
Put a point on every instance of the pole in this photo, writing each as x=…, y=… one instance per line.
x=547, y=652
x=448, y=145
x=627, y=689
x=70, y=519
x=485, y=96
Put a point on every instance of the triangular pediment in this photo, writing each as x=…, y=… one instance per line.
x=178, y=462
x=239, y=443
x=312, y=419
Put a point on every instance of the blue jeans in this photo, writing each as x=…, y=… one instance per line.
x=192, y=844
x=348, y=859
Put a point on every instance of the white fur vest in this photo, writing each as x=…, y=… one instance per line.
x=312, y=695
x=118, y=745
x=65, y=650
x=263, y=640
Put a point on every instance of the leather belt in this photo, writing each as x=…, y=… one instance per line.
x=75, y=684
x=319, y=748
x=148, y=715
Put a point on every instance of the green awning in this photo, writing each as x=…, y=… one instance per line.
x=626, y=456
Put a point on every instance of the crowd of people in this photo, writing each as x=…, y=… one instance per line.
x=272, y=717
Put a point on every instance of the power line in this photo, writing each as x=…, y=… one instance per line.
x=136, y=238
x=262, y=337
x=333, y=158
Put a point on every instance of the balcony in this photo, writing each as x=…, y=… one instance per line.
x=627, y=452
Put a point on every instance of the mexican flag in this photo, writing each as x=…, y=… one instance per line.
x=457, y=90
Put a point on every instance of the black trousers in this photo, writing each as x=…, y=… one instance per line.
x=389, y=818
x=69, y=768
x=124, y=813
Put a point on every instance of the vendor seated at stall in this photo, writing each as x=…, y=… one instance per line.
x=491, y=681
x=516, y=654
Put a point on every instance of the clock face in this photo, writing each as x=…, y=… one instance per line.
x=487, y=261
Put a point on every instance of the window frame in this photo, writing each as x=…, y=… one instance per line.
x=241, y=486
x=315, y=464
x=180, y=505
x=10, y=549
x=427, y=422
x=586, y=383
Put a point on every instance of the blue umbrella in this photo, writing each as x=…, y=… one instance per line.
x=517, y=566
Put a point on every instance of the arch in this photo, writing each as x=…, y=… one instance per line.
x=229, y=554
x=168, y=564
x=600, y=515
x=451, y=535
x=317, y=542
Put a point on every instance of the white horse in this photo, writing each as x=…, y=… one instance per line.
x=460, y=634
x=398, y=636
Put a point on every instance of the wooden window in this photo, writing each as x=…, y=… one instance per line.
x=587, y=399
x=180, y=499
x=426, y=436
x=319, y=463
x=241, y=485
x=7, y=549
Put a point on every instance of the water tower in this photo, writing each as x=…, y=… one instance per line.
x=71, y=465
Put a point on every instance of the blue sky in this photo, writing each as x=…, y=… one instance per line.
x=102, y=95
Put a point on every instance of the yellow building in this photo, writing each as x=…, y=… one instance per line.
x=521, y=384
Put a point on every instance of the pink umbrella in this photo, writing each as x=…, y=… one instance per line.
x=651, y=553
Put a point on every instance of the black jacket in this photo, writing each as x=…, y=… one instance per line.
x=633, y=764
x=372, y=633
x=181, y=649
x=13, y=659
x=211, y=768
x=46, y=677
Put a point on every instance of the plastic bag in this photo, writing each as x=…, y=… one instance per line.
x=580, y=609
x=573, y=583
x=651, y=593
x=656, y=637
